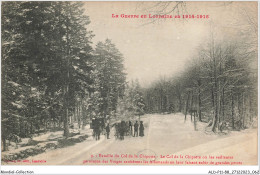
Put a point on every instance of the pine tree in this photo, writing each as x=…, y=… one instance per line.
x=46, y=63
x=109, y=64
x=138, y=99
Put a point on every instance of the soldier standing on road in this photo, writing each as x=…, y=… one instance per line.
x=99, y=129
x=141, y=129
x=136, y=129
x=130, y=128
x=96, y=131
x=122, y=130
x=107, y=130
x=117, y=130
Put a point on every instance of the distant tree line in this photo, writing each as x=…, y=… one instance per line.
x=219, y=83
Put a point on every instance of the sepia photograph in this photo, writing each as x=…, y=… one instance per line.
x=163, y=83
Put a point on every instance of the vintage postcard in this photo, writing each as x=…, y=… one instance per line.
x=129, y=83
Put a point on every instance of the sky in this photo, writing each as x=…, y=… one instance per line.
x=160, y=49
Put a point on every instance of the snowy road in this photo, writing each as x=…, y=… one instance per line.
x=164, y=135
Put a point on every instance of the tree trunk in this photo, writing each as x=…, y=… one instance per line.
x=180, y=103
x=66, y=123
x=66, y=87
x=243, y=111
x=232, y=109
x=219, y=106
x=195, y=124
x=84, y=116
x=3, y=138
x=187, y=105
x=215, y=122
x=212, y=96
x=199, y=102
x=239, y=112
x=79, y=116
x=191, y=105
x=66, y=114
x=250, y=110
x=223, y=103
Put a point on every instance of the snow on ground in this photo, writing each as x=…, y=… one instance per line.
x=49, y=135
x=164, y=135
x=44, y=142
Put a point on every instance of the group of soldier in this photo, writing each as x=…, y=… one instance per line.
x=136, y=128
x=98, y=126
x=122, y=129
x=126, y=129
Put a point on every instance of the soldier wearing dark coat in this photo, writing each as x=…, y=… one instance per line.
x=141, y=129
x=98, y=130
x=107, y=130
x=136, y=129
x=130, y=128
x=122, y=130
x=117, y=130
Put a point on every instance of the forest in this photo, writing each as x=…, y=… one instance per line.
x=219, y=86
x=53, y=76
